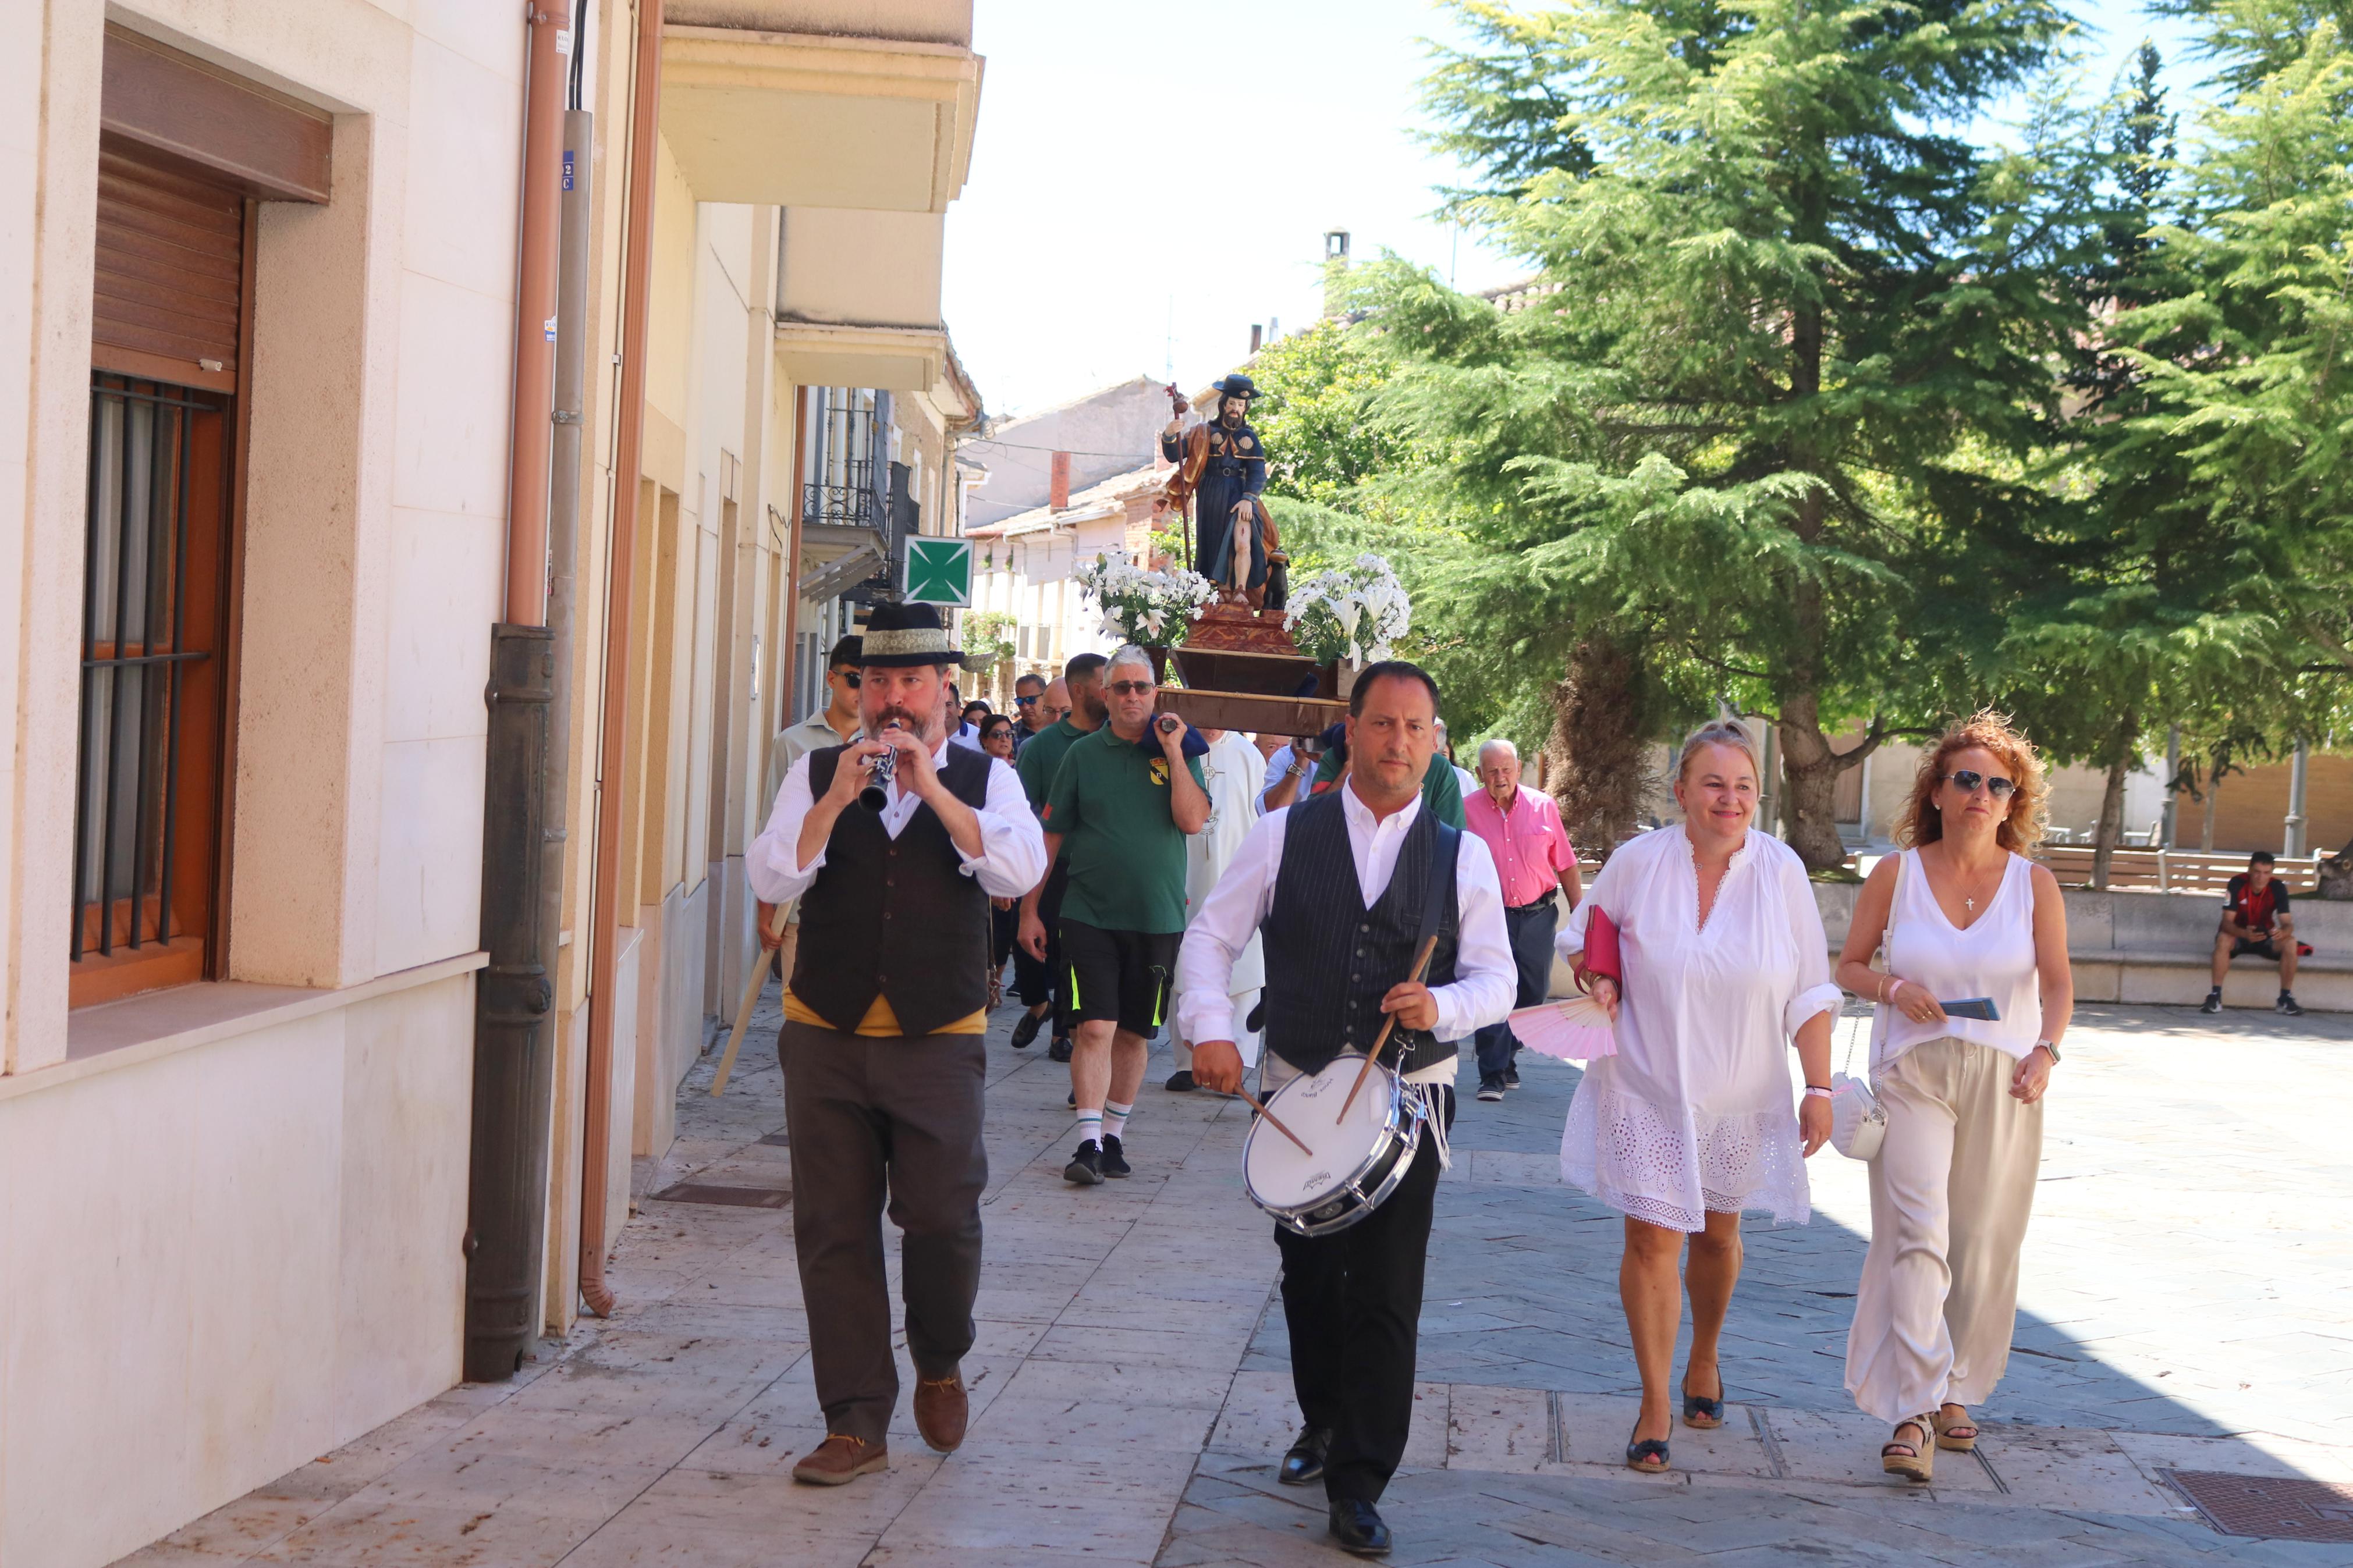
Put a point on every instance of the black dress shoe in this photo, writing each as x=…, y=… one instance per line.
x=1303, y=1464
x=1357, y=1527
x=1180, y=1082
x=1025, y=1029
x=1059, y=1051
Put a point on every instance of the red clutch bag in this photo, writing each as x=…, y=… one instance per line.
x=1600, y=955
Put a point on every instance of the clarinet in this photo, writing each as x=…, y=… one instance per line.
x=877, y=793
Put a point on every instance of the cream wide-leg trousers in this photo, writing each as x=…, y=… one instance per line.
x=1950, y=1192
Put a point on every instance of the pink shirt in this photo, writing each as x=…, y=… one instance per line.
x=1530, y=846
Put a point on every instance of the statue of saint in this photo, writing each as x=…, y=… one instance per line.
x=1221, y=466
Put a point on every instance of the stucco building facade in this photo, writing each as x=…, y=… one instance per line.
x=258, y=393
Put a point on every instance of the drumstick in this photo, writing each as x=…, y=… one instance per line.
x=1260, y=1106
x=1420, y=963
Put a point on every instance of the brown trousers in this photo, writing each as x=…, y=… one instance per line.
x=869, y=1118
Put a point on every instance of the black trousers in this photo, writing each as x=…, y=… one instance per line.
x=1034, y=978
x=873, y=1119
x=1529, y=928
x=1353, y=1304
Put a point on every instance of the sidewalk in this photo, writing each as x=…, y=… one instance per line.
x=2188, y=1304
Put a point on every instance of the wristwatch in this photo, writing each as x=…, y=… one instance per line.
x=2047, y=1046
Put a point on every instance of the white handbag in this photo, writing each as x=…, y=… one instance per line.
x=1858, y=1121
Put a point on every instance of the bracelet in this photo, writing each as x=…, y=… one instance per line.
x=1815, y=1090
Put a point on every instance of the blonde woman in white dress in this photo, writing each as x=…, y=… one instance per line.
x=1964, y=914
x=1695, y=1118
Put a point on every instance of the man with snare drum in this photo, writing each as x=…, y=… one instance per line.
x=1345, y=890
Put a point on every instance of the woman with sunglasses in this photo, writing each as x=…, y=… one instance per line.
x=1965, y=916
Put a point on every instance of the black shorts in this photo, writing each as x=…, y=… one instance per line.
x=1122, y=975
x=2241, y=947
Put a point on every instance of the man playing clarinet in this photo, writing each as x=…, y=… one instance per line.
x=882, y=1046
x=1338, y=888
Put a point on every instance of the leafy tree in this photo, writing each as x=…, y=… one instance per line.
x=1320, y=441
x=2247, y=360
x=1791, y=334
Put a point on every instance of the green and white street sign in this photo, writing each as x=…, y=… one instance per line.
x=939, y=571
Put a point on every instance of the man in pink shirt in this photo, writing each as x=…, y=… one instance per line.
x=1522, y=830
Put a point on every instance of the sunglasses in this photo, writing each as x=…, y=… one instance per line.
x=1025, y=701
x=1969, y=781
x=851, y=677
x=1129, y=687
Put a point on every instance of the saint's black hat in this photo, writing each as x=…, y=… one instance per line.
x=1237, y=386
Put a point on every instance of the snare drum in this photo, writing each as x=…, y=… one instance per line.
x=1357, y=1162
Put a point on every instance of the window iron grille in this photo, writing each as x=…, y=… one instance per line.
x=143, y=436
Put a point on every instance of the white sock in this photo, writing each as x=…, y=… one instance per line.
x=1114, y=1119
x=1091, y=1126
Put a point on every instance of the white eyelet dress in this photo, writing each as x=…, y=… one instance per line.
x=1697, y=1111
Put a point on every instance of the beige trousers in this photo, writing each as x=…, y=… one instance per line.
x=1950, y=1192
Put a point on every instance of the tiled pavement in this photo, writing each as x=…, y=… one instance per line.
x=2188, y=1302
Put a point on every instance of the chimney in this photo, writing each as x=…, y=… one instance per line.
x=1059, y=485
x=1254, y=337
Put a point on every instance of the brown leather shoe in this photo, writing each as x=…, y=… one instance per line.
x=941, y=1411
x=838, y=1461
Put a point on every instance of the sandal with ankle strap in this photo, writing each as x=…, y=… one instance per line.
x=1649, y=1455
x=1702, y=1413
x=1956, y=1436
x=1913, y=1461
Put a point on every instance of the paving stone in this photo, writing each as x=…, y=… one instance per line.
x=1131, y=1392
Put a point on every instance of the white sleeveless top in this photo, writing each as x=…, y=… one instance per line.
x=1993, y=957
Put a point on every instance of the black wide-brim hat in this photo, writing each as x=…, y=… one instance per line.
x=1237, y=386
x=899, y=636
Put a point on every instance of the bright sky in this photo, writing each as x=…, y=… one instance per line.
x=1147, y=181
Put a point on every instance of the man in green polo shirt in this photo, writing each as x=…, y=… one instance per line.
x=1038, y=978
x=1124, y=801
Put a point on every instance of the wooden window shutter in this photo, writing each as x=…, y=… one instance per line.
x=170, y=269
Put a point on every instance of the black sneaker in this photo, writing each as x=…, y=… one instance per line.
x=1180, y=1082
x=2287, y=1005
x=2213, y=1003
x=1511, y=1078
x=1025, y=1029
x=1491, y=1088
x=1073, y=1100
x=1114, y=1157
x=1059, y=1051
x=1086, y=1167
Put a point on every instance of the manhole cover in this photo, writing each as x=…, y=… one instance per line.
x=2276, y=1508
x=734, y=1197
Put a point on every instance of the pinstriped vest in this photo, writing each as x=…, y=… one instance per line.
x=1330, y=960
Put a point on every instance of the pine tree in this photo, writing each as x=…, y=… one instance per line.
x=1793, y=342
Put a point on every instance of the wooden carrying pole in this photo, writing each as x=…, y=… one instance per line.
x=751, y=989
x=1420, y=963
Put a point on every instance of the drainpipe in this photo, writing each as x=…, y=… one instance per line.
x=514, y=1060
x=787, y=672
x=636, y=287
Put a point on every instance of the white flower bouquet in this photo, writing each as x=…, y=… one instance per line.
x=1151, y=609
x=1352, y=611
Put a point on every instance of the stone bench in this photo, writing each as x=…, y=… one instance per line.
x=2157, y=948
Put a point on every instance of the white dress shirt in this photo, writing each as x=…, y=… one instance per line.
x=1485, y=979
x=1012, y=859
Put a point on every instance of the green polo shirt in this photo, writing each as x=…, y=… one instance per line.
x=1109, y=802
x=1040, y=755
x=1441, y=790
